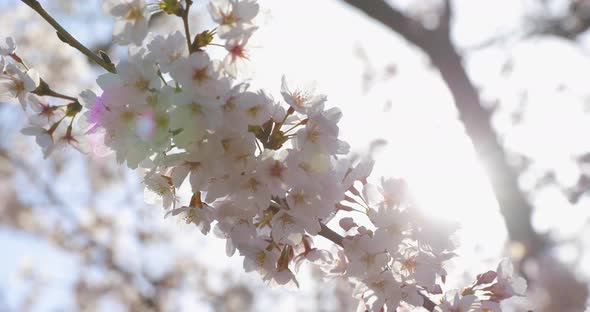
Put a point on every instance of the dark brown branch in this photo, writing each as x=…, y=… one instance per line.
x=330, y=234
x=437, y=44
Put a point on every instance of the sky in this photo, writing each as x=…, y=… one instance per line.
x=413, y=111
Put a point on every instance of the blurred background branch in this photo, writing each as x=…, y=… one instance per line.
x=437, y=44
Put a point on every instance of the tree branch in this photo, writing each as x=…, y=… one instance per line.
x=65, y=36
x=437, y=44
x=330, y=234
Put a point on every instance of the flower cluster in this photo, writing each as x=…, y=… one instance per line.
x=47, y=123
x=266, y=173
x=486, y=292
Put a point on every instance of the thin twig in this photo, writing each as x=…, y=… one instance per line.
x=66, y=37
x=187, y=31
x=61, y=96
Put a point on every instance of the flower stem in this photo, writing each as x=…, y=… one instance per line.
x=185, y=14
x=66, y=37
x=44, y=90
x=61, y=96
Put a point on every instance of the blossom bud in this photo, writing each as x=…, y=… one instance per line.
x=347, y=223
x=203, y=39
x=486, y=277
x=170, y=6
x=73, y=109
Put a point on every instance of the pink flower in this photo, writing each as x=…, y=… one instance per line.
x=507, y=284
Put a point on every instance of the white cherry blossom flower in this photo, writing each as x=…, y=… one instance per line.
x=43, y=113
x=159, y=189
x=199, y=162
x=255, y=107
x=379, y=292
x=453, y=301
x=321, y=134
x=271, y=171
x=238, y=151
x=139, y=73
x=233, y=16
x=43, y=137
x=71, y=138
x=195, y=115
x=286, y=229
x=303, y=98
x=7, y=46
x=232, y=113
x=258, y=258
x=507, y=284
x=316, y=256
x=490, y=306
x=18, y=84
x=251, y=188
x=166, y=51
x=235, y=225
x=336, y=264
x=355, y=169
x=306, y=166
x=199, y=214
x=198, y=74
x=418, y=267
x=307, y=206
x=367, y=257
x=237, y=60
x=131, y=20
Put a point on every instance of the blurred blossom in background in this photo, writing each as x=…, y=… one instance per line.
x=76, y=234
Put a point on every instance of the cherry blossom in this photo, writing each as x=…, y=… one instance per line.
x=237, y=59
x=17, y=83
x=131, y=20
x=303, y=98
x=166, y=51
x=234, y=17
x=7, y=46
x=507, y=284
x=43, y=137
x=269, y=176
x=42, y=112
x=453, y=301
